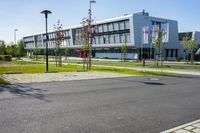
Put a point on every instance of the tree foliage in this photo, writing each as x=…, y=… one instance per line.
x=2, y=47
x=20, y=50
x=158, y=44
x=88, y=33
x=59, y=38
x=190, y=46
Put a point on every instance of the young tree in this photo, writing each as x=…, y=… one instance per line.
x=190, y=46
x=66, y=53
x=36, y=52
x=9, y=50
x=158, y=44
x=59, y=38
x=85, y=49
x=20, y=50
x=2, y=47
x=124, y=50
x=88, y=33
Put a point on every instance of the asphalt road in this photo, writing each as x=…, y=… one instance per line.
x=118, y=105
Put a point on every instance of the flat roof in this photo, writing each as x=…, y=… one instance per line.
x=94, y=23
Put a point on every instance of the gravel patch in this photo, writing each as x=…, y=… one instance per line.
x=64, y=76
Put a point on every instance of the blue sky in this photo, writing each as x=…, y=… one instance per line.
x=25, y=14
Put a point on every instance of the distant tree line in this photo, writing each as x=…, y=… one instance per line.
x=11, y=49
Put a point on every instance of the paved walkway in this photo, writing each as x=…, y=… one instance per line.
x=187, y=72
x=64, y=76
x=193, y=127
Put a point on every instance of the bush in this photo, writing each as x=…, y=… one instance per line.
x=6, y=57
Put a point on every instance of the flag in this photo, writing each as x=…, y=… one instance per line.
x=145, y=35
x=154, y=34
x=165, y=31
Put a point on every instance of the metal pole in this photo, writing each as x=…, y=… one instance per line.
x=47, y=63
x=90, y=44
x=90, y=39
x=15, y=42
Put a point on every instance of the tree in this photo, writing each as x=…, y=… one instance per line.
x=20, y=50
x=88, y=33
x=9, y=50
x=158, y=44
x=2, y=47
x=124, y=50
x=59, y=38
x=85, y=49
x=190, y=46
x=36, y=52
x=66, y=52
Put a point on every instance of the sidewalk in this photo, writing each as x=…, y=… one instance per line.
x=62, y=76
x=186, y=72
x=193, y=127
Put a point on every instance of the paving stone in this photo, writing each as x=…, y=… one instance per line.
x=182, y=131
x=65, y=76
x=197, y=130
x=189, y=128
x=197, y=125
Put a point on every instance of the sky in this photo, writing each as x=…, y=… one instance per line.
x=25, y=15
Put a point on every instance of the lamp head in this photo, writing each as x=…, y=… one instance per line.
x=92, y=1
x=46, y=12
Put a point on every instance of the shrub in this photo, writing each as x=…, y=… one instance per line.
x=6, y=57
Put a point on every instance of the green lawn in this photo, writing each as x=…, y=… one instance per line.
x=2, y=81
x=37, y=68
x=33, y=67
x=131, y=72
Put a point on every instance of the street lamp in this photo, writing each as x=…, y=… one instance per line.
x=15, y=41
x=90, y=26
x=46, y=12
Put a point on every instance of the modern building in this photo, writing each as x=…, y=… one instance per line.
x=111, y=34
x=193, y=35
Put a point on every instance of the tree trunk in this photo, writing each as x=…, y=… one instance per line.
x=192, y=58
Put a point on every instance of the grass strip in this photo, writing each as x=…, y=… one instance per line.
x=3, y=81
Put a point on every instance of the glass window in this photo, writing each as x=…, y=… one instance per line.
x=128, y=39
x=121, y=24
x=93, y=41
x=127, y=24
x=100, y=28
x=111, y=39
x=105, y=28
x=110, y=27
x=101, y=39
x=97, y=39
x=116, y=26
x=105, y=39
x=122, y=38
x=117, y=40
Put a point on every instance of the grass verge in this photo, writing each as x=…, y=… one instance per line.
x=38, y=68
x=4, y=82
x=131, y=72
x=27, y=67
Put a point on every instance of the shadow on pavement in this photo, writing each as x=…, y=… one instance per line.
x=153, y=83
x=23, y=91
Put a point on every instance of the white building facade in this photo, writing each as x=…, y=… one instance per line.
x=111, y=34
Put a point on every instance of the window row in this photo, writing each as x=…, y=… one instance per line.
x=28, y=39
x=114, y=26
x=111, y=39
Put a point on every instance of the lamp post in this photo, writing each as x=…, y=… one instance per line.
x=90, y=27
x=15, y=41
x=46, y=12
